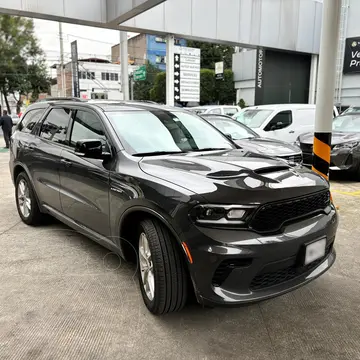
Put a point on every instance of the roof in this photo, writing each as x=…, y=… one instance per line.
x=213, y=106
x=278, y=106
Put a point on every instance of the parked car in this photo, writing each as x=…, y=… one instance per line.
x=351, y=109
x=345, y=144
x=251, y=141
x=283, y=122
x=164, y=188
x=15, y=119
x=216, y=109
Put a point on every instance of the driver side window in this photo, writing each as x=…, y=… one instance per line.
x=281, y=120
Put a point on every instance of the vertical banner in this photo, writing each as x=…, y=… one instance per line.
x=259, y=83
x=75, y=69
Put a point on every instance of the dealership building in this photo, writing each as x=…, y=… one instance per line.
x=267, y=75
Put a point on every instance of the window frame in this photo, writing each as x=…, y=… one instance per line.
x=26, y=116
x=267, y=126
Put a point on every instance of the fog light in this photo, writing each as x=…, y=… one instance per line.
x=235, y=214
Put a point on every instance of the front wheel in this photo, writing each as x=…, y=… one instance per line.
x=162, y=274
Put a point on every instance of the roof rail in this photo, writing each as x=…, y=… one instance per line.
x=60, y=99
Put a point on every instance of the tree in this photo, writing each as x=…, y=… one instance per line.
x=212, y=53
x=142, y=88
x=22, y=65
x=207, y=86
x=225, y=91
x=158, y=92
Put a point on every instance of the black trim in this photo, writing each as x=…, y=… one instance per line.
x=321, y=165
x=324, y=137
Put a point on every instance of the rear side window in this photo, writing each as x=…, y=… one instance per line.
x=29, y=120
x=56, y=125
x=230, y=111
x=215, y=111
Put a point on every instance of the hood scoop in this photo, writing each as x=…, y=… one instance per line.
x=227, y=174
x=271, y=169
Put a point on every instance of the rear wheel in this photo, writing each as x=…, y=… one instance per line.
x=162, y=274
x=26, y=203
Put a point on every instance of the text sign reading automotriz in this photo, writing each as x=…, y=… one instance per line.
x=186, y=74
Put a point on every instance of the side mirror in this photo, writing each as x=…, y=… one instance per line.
x=91, y=149
x=229, y=136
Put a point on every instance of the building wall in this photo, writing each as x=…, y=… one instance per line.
x=136, y=50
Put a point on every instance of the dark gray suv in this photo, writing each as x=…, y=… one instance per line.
x=165, y=189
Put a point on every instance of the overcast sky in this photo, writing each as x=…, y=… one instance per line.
x=92, y=42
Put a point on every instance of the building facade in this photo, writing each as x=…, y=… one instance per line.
x=145, y=47
x=98, y=79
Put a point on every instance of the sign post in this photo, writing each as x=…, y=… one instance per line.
x=186, y=74
x=75, y=69
x=140, y=73
x=219, y=70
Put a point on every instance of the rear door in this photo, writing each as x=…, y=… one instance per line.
x=45, y=152
x=85, y=182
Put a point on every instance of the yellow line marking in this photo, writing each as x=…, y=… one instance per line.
x=351, y=193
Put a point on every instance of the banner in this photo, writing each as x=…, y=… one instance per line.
x=352, y=55
x=75, y=69
x=259, y=82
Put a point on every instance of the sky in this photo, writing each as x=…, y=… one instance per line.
x=92, y=42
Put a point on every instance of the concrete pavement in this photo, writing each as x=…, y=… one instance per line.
x=64, y=297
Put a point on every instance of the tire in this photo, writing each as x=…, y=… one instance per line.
x=33, y=216
x=170, y=288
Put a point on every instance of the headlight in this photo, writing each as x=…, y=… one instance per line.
x=348, y=145
x=297, y=142
x=221, y=215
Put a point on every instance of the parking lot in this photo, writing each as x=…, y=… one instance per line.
x=64, y=297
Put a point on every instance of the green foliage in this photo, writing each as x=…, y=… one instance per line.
x=242, y=103
x=207, y=86
x=22, y=65
x=142, y=88
x=225, y=91
x=212, y=53
x=158, y=92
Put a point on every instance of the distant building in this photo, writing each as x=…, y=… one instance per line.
x=146, y=47
x=98, y=79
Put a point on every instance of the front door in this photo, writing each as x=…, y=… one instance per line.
x=281, y=127
x=85, y=182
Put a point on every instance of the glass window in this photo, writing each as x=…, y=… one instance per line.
x=347, y=123
x=231, y=127
x=215, y=111
x=165, y=131
x=160, y=39
x=107, y=77
x=116, y=77
x=55, y=126
x=86, y=126
x=112, y=77
x=29, y=120
x=281, y=120
x=253, y=118
x=103, y=76
x=230, y=111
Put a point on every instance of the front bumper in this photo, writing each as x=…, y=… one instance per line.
x=232, y=267
x=342, y=159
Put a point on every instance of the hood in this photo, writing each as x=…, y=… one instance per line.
x=338, y=137
x=234, y=176
x=268, y=147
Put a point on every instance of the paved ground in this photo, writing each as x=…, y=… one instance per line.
x=63, y=297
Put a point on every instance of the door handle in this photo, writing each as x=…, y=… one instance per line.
x=66, y=162
x=291, y=131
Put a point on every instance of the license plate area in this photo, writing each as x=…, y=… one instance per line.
x=314, y=250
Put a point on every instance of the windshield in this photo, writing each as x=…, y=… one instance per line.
x=159, y=131
x=347, y=123
x=252, y=118
x=352, y=109
x=230, y=127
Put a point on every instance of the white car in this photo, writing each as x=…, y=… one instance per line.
x=15, y=119
x=282, y=122
x=228, y=110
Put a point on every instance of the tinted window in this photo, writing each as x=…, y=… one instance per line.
x=55, y=126
x=151, y=132
x=230, y=111
x=280, y=121
x=86, y=126
x=29, y=121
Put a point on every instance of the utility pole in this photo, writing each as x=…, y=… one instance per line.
x=326, y=86
x=132, y=87
x=62, y=70
x=124, y=64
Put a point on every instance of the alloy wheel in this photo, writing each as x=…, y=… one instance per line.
x=23, y=197
x=146, y=267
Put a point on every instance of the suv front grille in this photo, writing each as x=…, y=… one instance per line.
x=271, y=217
x=267, y=279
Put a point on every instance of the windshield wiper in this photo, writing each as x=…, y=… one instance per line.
x=210, y=149
x=156, y=153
